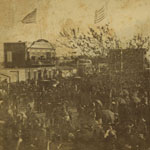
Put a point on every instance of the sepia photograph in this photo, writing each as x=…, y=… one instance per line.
x=74, y=75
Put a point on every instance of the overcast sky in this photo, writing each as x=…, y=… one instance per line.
x=126, y=17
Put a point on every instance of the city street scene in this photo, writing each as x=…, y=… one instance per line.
x=74, y=75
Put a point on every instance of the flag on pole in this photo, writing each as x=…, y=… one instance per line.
x=99, y=15
x=30, y=18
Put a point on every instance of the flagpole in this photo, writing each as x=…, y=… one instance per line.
x=38, y=20
x=11, y=13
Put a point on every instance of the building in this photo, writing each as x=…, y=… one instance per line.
x=128, y=64
x=41, y=53
x=23, y=61
x=15, y=54
x=23, y=54
x=84, y=66
x=126, y=60
x=66, y=71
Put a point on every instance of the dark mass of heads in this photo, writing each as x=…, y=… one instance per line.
x=86, y=113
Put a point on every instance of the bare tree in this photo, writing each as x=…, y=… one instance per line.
x=139, y=41
x=96, y=42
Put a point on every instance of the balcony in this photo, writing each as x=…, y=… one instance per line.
x=41, y=62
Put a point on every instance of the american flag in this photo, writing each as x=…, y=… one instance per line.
x=99, y=15
x=30, y=17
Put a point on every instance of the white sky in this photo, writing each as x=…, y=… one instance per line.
x=126, y=17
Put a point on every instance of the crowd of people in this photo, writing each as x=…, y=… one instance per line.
x=92, y=112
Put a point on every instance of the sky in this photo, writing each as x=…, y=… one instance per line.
x=126, y=17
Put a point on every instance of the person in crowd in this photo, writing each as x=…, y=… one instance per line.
x=105, y=116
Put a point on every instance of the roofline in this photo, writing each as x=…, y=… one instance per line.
x=39, y=48
x=14, y=42
x=32, y=44
x=129, y=49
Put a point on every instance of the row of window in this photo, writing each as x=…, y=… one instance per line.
x=37, y=75
x=33, y=57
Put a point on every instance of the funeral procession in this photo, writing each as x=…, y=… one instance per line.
x=74, y=75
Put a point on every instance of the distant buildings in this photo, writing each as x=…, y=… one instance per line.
x=41, y=53
x=22, y=54
x=24, y=61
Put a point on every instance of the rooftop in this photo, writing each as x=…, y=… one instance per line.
x=41, y=44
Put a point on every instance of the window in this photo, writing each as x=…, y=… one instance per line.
x=34, y=75
x=50, y=74
x=9, y=56
x=29, y=75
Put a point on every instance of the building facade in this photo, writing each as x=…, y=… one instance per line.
x=28, y=61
